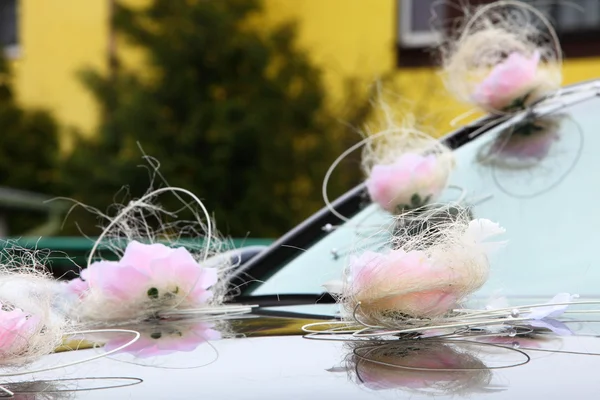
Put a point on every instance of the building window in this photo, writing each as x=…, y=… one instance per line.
x=414, y=29
x=9, y=39
x=415, y=34
x=577, y=24
x=575, y=16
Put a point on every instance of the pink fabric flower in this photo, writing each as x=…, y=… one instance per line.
x=508, y=81
x=410, y=182
x=544, y=316
x=425, y=284
x=148, y=271
x=16, y=327
x=406, y=282
x=165, y=340
x=80, y=285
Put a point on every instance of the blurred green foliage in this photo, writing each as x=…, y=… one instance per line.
x=233, y=112
x=29, y=151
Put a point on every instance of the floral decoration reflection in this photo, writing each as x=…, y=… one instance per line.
x=161, y=339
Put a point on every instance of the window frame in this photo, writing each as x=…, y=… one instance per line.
x=405, y=31
x=580, y=44
x=13, y=50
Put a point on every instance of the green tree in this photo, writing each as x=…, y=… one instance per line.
x=29, y=150
x=234, y=112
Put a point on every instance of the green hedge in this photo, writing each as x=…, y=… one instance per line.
x=68, y=254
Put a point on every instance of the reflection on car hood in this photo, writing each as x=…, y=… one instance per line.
x=269, y=358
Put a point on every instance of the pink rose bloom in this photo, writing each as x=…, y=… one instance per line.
x=410, y=182
x=80, y=285
x=165, y=340
x=508, y=81
x=424, y=284
x=16, y=327
x=405, y=282
x=148, y=271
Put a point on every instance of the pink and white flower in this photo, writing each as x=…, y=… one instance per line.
x=166, y=339
x=410, y=182
x=424, y=283
x=407, y=282
x=147, y=274
x=16, y=329
x=509, y=81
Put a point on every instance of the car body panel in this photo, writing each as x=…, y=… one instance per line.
x=269, y=358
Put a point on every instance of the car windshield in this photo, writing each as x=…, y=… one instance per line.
x=535, y=176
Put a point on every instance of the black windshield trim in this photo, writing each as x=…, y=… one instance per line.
x=292, y=243
x=292, y=315
x=274, y=300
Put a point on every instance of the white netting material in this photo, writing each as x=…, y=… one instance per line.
x=392, y=139
x=30, y=326
x=405, y=167
x=435, y=258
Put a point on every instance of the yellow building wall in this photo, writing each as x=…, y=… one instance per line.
x=57, y=39
x=346, y=38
